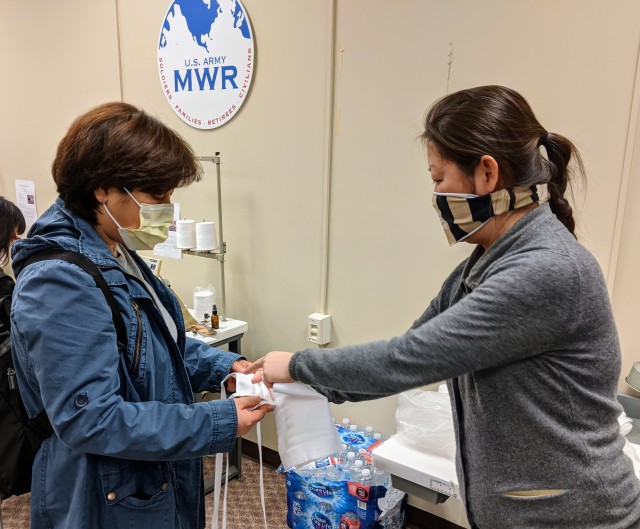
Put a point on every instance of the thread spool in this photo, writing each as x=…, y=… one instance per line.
x=206, y=239
x=203, y=300
x=185, y=234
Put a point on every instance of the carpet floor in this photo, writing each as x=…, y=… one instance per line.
x=243, y=501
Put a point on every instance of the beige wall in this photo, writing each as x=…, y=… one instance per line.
x=386, y=256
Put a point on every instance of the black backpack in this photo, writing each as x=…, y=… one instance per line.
x=21, y=437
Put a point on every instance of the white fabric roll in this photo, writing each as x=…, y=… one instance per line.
x=206, y=239
x=185, y=234
x=203, y=300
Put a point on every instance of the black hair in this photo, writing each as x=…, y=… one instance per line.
x=12, y=223
x=498, y=121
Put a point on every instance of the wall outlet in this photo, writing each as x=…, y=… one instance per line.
x=319, y=328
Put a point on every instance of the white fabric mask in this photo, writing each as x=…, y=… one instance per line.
x=306, y=430
x=155, y=221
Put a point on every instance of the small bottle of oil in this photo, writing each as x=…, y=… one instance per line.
x=215, y=319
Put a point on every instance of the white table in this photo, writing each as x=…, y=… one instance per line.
x=423, y=474
x=230, y=332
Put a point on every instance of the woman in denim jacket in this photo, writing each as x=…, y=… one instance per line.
x=128, y=437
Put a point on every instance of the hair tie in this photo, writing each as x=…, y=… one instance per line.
x=544, y=139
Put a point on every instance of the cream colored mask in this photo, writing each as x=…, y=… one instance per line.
x=462, y=215
x=155, y=221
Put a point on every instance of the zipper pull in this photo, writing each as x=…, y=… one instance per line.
x=11, y=375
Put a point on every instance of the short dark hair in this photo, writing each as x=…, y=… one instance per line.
x=11, y=223
x=498, y=121
x=119, y=145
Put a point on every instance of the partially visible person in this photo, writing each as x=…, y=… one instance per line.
x=128, y=437
x=12, y=225
x=522, y=330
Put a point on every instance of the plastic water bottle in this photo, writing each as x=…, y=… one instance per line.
x=365, y=477
x=349, y=465
x=333, y=473
x=325, y=509
x=368, y=431
x=365, y=484
x=355, y=470
x=338, y=459
x=349, y=520
x=299, y=506
x=345, y=423
x=380, y=477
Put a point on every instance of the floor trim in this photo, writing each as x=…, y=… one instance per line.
x=416, y=518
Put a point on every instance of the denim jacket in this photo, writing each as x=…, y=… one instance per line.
x=128, y=436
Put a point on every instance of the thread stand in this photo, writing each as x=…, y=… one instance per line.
x=219, y=254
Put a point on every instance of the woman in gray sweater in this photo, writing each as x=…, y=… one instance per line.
x=522, y=330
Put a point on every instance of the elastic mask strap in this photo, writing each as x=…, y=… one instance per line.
x=218, y=477
x=134, y=198
x=264, y=507
x=112, y=217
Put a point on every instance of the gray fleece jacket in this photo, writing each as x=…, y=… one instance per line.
x=524, y=334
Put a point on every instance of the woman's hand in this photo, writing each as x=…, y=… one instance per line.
x=275, y=367
x=245, y=367
x=248, y=418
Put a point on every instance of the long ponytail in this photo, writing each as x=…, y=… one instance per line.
x=560, y=151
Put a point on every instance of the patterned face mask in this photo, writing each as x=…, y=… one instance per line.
x=461, y=215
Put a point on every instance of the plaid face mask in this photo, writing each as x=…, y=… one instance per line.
x=461, y=215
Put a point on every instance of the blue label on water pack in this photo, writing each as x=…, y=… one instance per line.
x=320, y=490
x=320, y=521
x=353, y=439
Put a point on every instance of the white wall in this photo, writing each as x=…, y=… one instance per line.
x=574, y=60
x=53, y=68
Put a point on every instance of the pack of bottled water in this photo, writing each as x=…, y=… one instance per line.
x=345, y=490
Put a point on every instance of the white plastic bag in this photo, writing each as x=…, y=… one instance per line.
x=424, y=421
x=203, y=301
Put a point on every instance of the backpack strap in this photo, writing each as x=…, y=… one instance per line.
x=90, y=268
x=40, y=423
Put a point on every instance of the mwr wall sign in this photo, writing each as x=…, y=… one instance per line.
x=205, y=60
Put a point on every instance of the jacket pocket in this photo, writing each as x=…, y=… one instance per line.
x=137, y=494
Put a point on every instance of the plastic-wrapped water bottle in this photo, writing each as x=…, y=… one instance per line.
x=392, y=516
x=351, y=457
x=349, y=520
x=380, y=477
x=346, y=423
x=365, y=454
x=364, y=487
x=340, y=458
x=299, y=506
x=368, y=431
x=332, y=473
x=355, y=470
x=349, y=465
x=322, y=516
x=304, y=472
